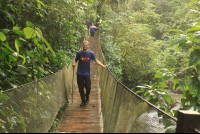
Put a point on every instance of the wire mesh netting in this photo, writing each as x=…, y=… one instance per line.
x=126, y=112
x=33, y=107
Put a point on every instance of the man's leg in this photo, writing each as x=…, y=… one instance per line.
x=80, y=82
x=87, y=87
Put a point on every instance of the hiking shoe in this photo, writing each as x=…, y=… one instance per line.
x=87, y=100
x=82, y=104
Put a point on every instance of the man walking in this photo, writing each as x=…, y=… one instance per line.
x=83, y=71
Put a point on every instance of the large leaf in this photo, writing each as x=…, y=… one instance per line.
x=11, y=58
x=8, y=47
x=29, y=32
x=139, y=91
x=194, y=28
x=195, y=36
x=175, y=82
x=197, y=68
x=198, y=23
x=153, y=100
x=36, y=41
x=48, y=45
x=183, y=101
x=18, y=42
x=182, y=84
x=190, y=36
x=166, y=76
x=6, y=51
x=2, y=37
x=16, y=46
x=40, y=33
x=167, y=98
x=158, y=75
x=29, y=24
x=182, y=45
x=194, y=57
x=193, y=85
x=13, y=85
x=2, y=56
x=17, y=30
x=146, y=93
x=5, y=31
x=193, y=100
x=160, y=89
x=161, y=85
x=178, y=40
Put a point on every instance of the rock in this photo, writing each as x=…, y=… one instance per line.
x=151, y=123
x=177, y=91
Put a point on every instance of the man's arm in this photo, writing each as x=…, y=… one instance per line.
x=76, y=58
x=74, y=63
x=99, y=63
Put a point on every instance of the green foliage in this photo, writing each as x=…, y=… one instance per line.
x=38, y=38
x=16, y=59
x=129, y=46
x=157, y=93
x=136, y=40
x=190, y=84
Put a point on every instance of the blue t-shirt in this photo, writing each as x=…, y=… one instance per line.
x=92, y=29
x=84, y=62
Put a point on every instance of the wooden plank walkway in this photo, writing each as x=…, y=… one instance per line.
x=88, y=118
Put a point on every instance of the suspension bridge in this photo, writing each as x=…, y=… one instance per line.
x=113, y=107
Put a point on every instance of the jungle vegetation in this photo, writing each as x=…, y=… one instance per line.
x=146, y=43
x=155, y=48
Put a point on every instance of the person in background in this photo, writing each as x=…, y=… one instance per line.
x=91, y=20
x=83, y=71
x=92, y=31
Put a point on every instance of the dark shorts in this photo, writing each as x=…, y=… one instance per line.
x=92, y=34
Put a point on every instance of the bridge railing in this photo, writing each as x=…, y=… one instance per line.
x=126, y=112
x=32, y=108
